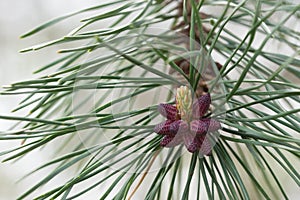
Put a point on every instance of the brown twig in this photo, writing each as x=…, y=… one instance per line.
x=144, y=175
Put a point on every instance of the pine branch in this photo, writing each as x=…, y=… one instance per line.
x=106, y=84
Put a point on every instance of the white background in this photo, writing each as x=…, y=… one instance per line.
x=16, y=17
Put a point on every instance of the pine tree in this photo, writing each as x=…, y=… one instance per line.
x=186, y=99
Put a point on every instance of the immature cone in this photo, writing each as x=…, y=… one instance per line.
x=190, y=144
x=168, y=111
x=201, y=105
x=179, y=126
x=163, y=128
x=171, y=141
x=206, y=146
x=186, y=123
x=199, y=127
x=211, y=124
x=166, y=140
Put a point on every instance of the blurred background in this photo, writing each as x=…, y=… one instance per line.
x=16, y=18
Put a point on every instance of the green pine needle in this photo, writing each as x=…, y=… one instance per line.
x=106, y=83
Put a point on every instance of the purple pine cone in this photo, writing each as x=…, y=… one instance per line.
x=192, y=131
x=212, y=124
x=168, y=111
x=166, y=140
x=189, y=143
x=201, y=106
x=199, y=127
x=170, y=141
x=179, y=126
x=193, y=146
x=206, y=146
x=163, y=128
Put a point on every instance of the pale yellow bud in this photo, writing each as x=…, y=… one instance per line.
x=184, y=102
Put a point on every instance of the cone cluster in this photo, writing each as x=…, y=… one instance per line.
x=185, y=123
